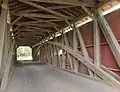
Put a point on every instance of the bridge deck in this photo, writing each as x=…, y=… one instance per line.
x=45, y=79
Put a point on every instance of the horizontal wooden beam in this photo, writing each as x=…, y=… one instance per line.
x=34, y=29
x=17, y=6
x=28, y=36
x=31, y=33
x=21, y=37
x=39, y=21
x=18, y=9
x=38, y=28
x=50, y=7
x=38, y=15
x=45, y=9
x=67, y=2
x=40, y=25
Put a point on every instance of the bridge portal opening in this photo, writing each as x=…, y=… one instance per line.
x=24, y=53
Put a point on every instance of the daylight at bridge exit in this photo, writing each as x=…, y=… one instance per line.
x=59, y=45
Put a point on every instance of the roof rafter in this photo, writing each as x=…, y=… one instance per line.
x=37, y=15
x=35, y=29
x=67, y=2
x=38, y=21
x=44, y=8
x=50, y=7
x=40, y=25
x=16, y=20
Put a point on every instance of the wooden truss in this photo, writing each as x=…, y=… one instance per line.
x=74, y=55
x=6, y=47
x=41, y=19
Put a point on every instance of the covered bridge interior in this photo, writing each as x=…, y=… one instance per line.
x=75, y=45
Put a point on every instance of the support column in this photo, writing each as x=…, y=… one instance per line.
x=75, y=47
x=50, y=54
x=7, y=69
x=68, y=55
x=111, y=39
x=53, y=54
x=63, y=56
x=83, y=48
x=34, y=54
x=3, y=28
x=96, y=32
x=56, y=50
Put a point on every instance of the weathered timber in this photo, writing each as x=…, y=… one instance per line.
x=111, y=39
x=109, y=79
x=45, y=9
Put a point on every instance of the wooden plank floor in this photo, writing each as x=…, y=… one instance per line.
x=45, y=79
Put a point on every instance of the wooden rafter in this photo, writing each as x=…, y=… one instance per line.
x=50, y=7
x=40, y=25
x=35, y=29
x=67, y=12
x=16, y=20
x=17, y=33
x=38, y=15
x=18, y=9
x=38, y=21
x=16, y=28
x=45, y=9
x=67, y=2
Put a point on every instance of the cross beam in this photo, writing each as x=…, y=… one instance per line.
x=67, y=2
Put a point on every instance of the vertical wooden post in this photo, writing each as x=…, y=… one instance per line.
x=69, y=56
x=3, y=28
x=49, y=58
x=7, y=69
x=55, y=56
x=39, y=55
x=5, y=54
x=111, y=39
x=83, y=48
x=96, y=32
x=75, y=47
x=63, y=56
x=56, y=50
x=51, y=54
x=45, y=54
x=53, y=51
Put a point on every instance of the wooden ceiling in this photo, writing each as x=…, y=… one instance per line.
x=1, y=2
x=34, y=20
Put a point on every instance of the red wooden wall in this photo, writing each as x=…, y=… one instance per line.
x=107, y=58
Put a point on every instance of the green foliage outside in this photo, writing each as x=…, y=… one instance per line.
x=24, y=53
